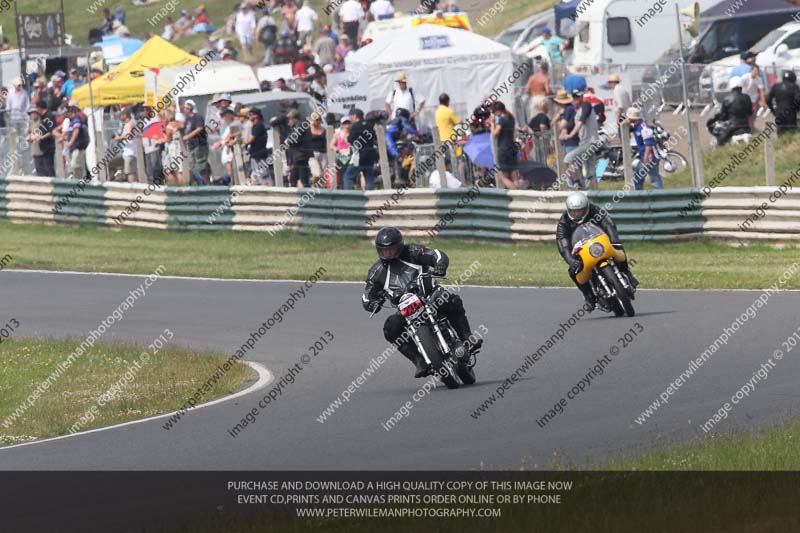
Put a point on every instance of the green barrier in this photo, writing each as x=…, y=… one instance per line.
x=472, y=213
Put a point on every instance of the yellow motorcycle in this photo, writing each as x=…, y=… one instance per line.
x=610, y=285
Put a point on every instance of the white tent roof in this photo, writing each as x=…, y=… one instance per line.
x=216, y=77
x=427, y=42
x=436, y=59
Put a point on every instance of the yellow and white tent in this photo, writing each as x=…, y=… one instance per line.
x=125, y=84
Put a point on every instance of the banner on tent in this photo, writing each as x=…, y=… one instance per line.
x=347, y=90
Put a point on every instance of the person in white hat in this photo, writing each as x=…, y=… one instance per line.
x=221, y=102
x=18, y=102
x=403, y=97
x=646, y=143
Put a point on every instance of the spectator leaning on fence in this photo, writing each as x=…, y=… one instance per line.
x=503, y=129
x=260, y=171
x=540, y=121
x=43, y=144
x=76, y=141
x=153, y=159
x=196, y=139
x=18, y=102
x=127, y=142
x=230, y=130
x=363, y=140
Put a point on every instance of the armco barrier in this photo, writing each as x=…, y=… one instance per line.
x=487, y=214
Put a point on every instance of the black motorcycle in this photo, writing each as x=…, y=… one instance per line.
x=670, y=161
x=433, y=335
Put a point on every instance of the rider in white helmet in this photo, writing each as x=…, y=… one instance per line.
x=580, y=211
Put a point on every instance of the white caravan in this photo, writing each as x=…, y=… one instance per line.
x=627, y=32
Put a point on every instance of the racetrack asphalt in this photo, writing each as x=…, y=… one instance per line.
x=438, y=433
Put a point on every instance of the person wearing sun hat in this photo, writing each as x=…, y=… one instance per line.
x=622, y=98
x=403, y=97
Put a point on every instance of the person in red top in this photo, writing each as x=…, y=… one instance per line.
x=300, y=66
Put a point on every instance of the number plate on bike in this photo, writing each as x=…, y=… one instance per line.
x=410, y=306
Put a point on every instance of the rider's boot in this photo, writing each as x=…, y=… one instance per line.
x=591, y=299
x=422, y=368
x=625, y=269
x=461, y=325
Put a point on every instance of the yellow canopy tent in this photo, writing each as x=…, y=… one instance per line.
x=125, y=84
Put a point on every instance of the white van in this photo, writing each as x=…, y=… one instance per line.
x=627, y=32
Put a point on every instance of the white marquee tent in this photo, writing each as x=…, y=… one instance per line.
x=436, y=59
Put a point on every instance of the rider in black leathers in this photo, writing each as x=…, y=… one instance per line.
x=398, y=265
x=735, y=114
x=581, y=211
x=784, y=102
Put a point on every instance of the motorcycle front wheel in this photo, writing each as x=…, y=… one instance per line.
x=673, y=162
x=428, y=342
x=620, y=294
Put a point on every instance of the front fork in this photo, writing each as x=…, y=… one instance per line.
x=443, y=345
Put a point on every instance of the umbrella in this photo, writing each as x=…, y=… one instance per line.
x=479, y=150
x=155, y=131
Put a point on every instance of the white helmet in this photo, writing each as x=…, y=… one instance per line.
x=577, y=207
x=735, y=83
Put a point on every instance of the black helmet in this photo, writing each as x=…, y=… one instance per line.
x=403, y=112
x=389, y=243
x=789, y=76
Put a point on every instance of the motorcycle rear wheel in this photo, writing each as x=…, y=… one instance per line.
x=620, y=294
x=429, y=344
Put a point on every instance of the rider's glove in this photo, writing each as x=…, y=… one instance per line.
x=576, y=266
x=439, y=271
x=374, y=306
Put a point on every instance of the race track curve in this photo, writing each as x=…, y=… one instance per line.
x=438, y=433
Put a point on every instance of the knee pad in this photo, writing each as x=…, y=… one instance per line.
x=393, y=327
x=456, y=303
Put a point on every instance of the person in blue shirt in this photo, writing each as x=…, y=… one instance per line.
x=119, y=14
x=71, y=84
x=646, y=143
x=554, y=44
x=743, y=68
x=395, y=129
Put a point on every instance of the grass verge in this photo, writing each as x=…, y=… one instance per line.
x=108, y=384
x=697, y=264
x=773, y=449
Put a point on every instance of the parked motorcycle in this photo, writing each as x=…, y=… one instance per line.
x=612, y=288
x=670, y=161
x=433, y=335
